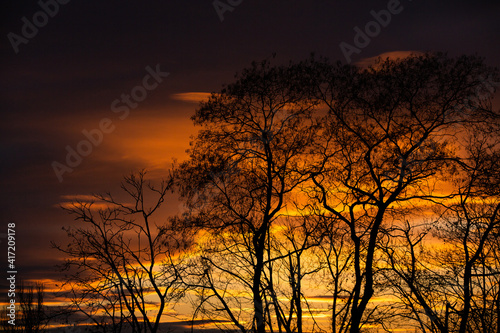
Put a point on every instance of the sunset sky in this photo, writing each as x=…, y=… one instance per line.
x=65, y=79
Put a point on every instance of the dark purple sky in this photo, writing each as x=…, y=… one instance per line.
x=65, y=78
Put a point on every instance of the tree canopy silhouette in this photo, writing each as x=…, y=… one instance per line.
x=361, y=144
x=316, y=177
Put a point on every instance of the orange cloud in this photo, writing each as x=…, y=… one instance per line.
x=193, y=97
x=393, y=55
x=151, y=141
x=78, y=197
x=95, y=206
x=84, y=200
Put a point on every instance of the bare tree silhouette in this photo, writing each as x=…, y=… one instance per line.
x=123, y=265
x=387, y=143
x=455, y=287
x=251, y=154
